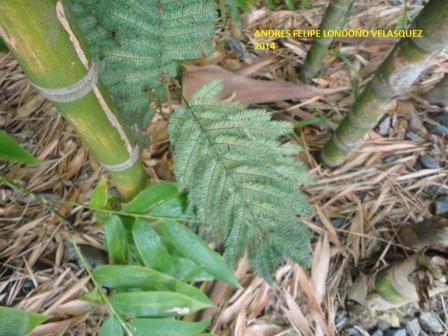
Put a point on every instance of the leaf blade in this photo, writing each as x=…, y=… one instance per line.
x=155, y=304
x=11, y=150
x=15, y=322
x=197, y=250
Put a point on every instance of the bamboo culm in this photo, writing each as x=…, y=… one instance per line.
x=334, y=18
x=53, y=55
x=406, y=62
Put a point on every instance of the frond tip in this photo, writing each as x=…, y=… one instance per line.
x=243, y=182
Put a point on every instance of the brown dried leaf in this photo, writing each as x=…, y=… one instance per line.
x=247, y=90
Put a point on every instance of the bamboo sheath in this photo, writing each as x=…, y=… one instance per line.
x=52, y=56
x=406, y=62
x=334, y=18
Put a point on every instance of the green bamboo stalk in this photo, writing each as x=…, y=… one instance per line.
x=409, y=58
x=396, y=285
x=334, y=18
x=50, y=54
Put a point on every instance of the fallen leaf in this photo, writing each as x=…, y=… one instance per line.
x=248, y=90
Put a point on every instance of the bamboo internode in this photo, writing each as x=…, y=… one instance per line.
x=53, y=58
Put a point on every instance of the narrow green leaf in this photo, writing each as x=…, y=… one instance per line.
x=146, y=279
x=155, y=304
x=152, y=196
x=14, y=322
x=167, y=327
x=10, y=150
x=173, y=208
x=197, y=250
x=98, y=200
x=116, y=239
x=111, y=327
x=150, y=247
x=187, y=270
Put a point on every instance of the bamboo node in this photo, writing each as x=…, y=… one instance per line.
x=342, y=145
x=358, y=122
x=133, y=158
x=382, y=89
x=72, y=92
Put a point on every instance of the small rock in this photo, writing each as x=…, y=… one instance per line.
x=377, y=332
x=390, y=159
x=428, y=162
x=413, y=327
x=441, y=119
x=430, y=322
x=396, y=332
x=436, y=190
x=412, y=136
x=384, y=126
x=440, y=206
x=338, y=222
x=341, y=318
x=438, y=129
x=352, y=332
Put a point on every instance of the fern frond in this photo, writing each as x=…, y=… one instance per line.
x=243, y=182
x=141, y=43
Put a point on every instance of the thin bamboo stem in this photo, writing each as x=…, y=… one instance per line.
x=407, y=61
x=52, y=56
x=334, y=18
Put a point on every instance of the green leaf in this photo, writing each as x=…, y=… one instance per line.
x=167, y=327
x=93, y=297
x=187, y=270
x=14, y=322
x=116, y=238
x=150, y=247
x=172, y=208
x=146, y=279
x=3, y=46
x=155, y=304
x=151, y=197
x=10, y=150
x=111, y=327
x=98, y=200
x=198, y=251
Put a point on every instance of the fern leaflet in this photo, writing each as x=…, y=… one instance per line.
x=141, y=43
x=242, y=180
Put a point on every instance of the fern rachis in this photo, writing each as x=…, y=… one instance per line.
x=241, y=179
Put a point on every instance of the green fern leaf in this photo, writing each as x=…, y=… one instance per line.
x=141, y=43
x=243, y=182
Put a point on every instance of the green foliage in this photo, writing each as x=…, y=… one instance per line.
x=14, y=322
x=242, y=180
x=149, y=292
x=10, y=150
x=3, y=46
x=141, y=43
x=195, y=249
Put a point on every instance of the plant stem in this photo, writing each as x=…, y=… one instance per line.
x=50, y=208
x=41, y=39
x=403, y=282
x=409, y=58
x=334, y=18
